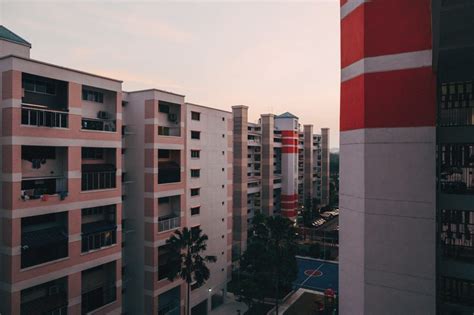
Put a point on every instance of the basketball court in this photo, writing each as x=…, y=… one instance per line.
x=317, y=275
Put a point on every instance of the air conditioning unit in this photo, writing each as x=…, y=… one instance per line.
x=173, y=117
x=103, y=115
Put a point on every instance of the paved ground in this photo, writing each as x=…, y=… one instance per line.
x=317, y=275
x=230, y=307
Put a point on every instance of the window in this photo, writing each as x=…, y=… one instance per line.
x=195, y=134
x=223, y=119
x=195, y=154
x=38, y=86
x=92, y=96
x=195, y=116
x=195, y=210
x=195, y=192
x=195, y=173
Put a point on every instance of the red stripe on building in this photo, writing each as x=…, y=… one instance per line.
x=289, y=133
x=288, y=214
x=352, y=37
x=287, y=141
x=403, y=98
x=396, y=26
x=289, y=150
x=289, y=206
x=289, y=197
x=343, y=2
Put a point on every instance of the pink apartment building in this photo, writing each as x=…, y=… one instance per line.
x=88, y=201
x=61, y=206
x=95, y=179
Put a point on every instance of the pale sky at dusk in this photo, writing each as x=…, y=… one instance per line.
x=272, y=56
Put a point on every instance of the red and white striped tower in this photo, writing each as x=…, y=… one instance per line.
x=288, y=124
x=387, y=163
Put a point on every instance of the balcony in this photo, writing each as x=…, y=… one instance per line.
x=169, y=302
x=457, y=168
x=44, y=238
x=169, y=119
x=169, y=131
x=47, y=298
x=98, y=287
x=457, y=234
x=44, y=102
x=98, y=297
x=98, y=227
x=98, y=109
x=42, y=171
x=167, y=223
x=41, y=116
x=98, y=176
x=456, y=291
x=98, y=168
x=169, y=168
x=163, y=266
x=457, y=104
x=41, y=188
x=99, y=124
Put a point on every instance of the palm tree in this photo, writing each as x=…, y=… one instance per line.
x=185, y=259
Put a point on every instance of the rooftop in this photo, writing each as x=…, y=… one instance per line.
x=286, y=115
x=8, y=35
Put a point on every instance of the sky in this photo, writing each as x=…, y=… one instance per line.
x=273, y=56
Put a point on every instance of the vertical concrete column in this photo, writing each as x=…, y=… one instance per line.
x=150, y=211
x=74, y=171
x=75, y=106
x=74, y=231
x=240, y=178
x=10, y=185
x=268, y=127
x=387, y=158
x=308, y=164
x=325, y=171
x=74, y=292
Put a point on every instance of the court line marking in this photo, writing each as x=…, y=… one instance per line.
x=311, y=274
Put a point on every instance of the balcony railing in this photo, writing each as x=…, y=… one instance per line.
x=171, y=308
x=98, y=180
x=49, y=304
x=169, y=131
x=45, y=245
x=458, y=180
x=96, y=235
x=166, y=223
x=98, y=297
x=98, y=124
x=38, y=187
x=42, y=117
x=457, y=291
x=457, y=117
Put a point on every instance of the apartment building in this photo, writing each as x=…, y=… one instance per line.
x=407, y=157
x=178, y=161
x=279, y=168
x=94, y=180
x=61, y=204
